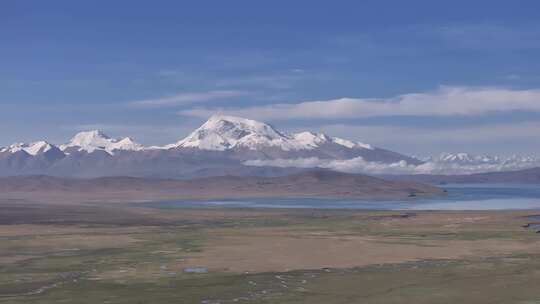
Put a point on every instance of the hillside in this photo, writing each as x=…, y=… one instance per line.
x=325, y=184
x=526, y=176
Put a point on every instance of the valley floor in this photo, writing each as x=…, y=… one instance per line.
x=89, y=253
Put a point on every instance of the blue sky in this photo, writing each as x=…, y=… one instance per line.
x=419, y=77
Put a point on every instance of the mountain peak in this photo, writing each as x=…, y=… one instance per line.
x=222, y=132
x=86, y=137
x=92, y=133
x=223, y=123
x=230, y=118
x=93, y=140
x=33, y=148
x=89, y=141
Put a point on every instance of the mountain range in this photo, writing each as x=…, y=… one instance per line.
x=220, y=146
x=524, y=176
x=235, y=146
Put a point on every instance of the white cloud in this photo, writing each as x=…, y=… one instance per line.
x=445, y=101
x=187, y=98
x=354, y=165
x=359, y=165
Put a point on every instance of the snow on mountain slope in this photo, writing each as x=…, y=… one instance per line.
x=245, y=144
x=91, y=141
x=470, y=159
x=221, y=133
x=33, y=149
x=310, y=140
x=445, y=164
x=351, y=145
x=226, y=132
x=464, y=163
x=126, y=143
x=464, y=158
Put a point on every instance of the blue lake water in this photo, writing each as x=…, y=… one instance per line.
x=459, y=197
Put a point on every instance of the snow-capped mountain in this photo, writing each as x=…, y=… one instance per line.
x=245, y=139
x=222, y=145
x=237, y=146
x=222, y=133
x=471, y=159
x=33, y=149
x=463, y=158
x=464, y=163
x=91, y=141
x=242, y=139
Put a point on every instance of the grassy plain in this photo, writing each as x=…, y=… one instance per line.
x=92, y=253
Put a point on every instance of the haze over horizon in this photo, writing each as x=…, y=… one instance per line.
x=449, y=77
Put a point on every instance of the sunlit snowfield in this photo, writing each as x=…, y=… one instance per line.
x=459, y=197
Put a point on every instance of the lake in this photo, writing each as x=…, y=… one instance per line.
x=459, y=197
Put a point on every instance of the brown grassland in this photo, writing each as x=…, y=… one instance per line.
x=102, y=253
